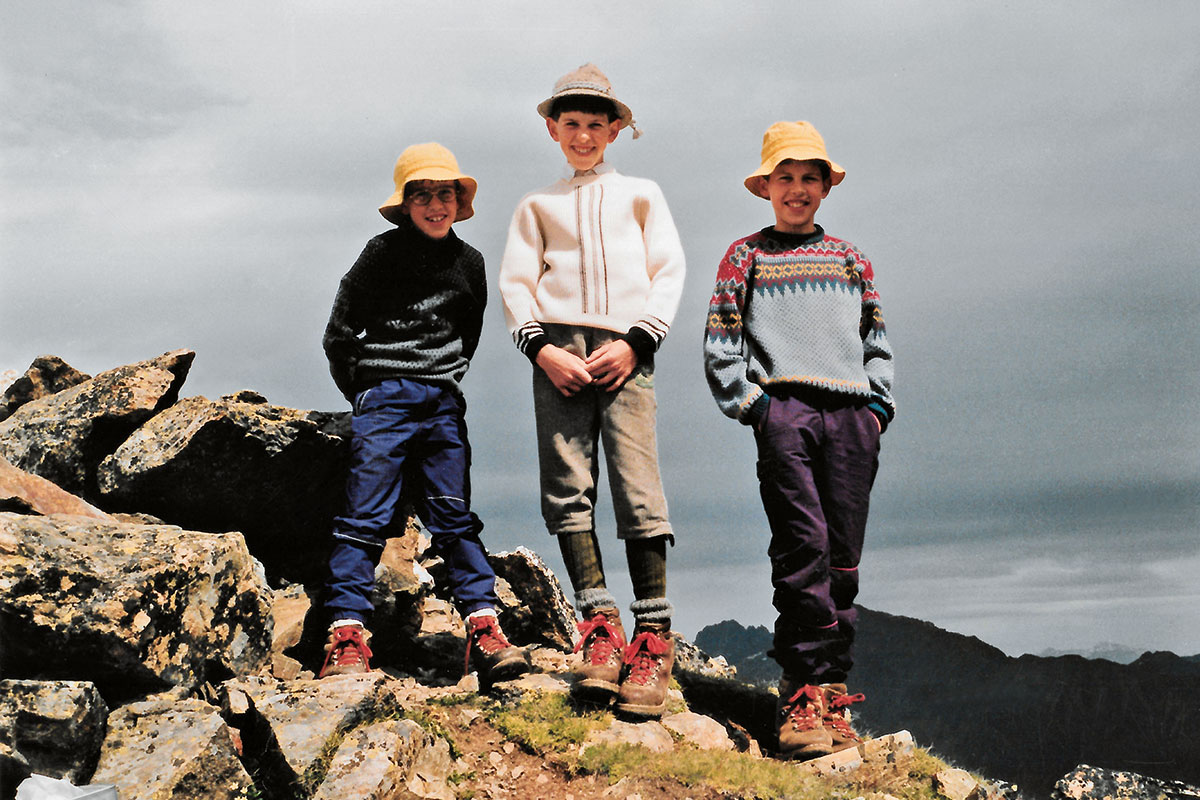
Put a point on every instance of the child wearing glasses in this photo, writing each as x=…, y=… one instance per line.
x=405, y=323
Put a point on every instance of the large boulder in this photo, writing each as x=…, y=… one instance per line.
x=288, y=727
x=64, y=436
x=55, y=728
x=534, y=607
x=134, y=608
x=30, y=494
x=45, y=376
x=182, y=750
x=237, y=463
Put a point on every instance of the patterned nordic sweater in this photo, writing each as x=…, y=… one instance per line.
x=410, y=307
x=792, y=310
x=598, y=250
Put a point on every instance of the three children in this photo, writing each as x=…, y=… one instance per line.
x=796, y=348
x=590, y=279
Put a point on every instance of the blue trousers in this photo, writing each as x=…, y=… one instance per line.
x=408, y=430
x=817, y=459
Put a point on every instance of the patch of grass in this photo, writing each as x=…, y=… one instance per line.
x=546, y=723
x=909, y=778
x=434, y=726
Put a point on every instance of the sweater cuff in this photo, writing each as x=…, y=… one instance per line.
x=881, y=414
x=641, y=342
x=757, y=411
x=534, y=345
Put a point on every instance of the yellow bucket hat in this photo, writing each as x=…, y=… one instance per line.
x=428, y=162
x=795, y=140
x=589, y=80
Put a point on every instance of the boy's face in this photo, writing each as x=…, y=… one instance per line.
x=796, y=190
x=583, y=136
x=432, y=206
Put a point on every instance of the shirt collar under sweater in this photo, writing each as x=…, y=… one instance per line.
x=603, y=168
x=791, y=240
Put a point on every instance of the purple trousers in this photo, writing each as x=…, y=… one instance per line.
x=817, y=458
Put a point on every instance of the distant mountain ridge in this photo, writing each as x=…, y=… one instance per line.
x=1026, y=719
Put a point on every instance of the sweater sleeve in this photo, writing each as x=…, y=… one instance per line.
x=520, y=268
x=477, y=300
x=665, y=265
x=725, y=363
x=341, y=340
x=877, y=351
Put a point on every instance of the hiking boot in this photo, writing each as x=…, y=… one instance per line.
x=490, y=654
x=799, y=719
x=836, y=719
x=647, y=674
x=346, y=652
x=602, y=640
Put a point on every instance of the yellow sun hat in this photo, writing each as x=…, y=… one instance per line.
x=589, y=80
x=795, y=140
x=428, y=162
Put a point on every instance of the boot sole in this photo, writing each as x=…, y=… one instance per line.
x=595, y=690
x=638, y=710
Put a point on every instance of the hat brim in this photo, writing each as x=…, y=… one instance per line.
x=756, y=182
x=623, y=112
x=391, y=208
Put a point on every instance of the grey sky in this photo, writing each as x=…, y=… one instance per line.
x=1024, y=177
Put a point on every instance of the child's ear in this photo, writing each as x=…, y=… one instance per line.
x=552, y=127
x=614, y=128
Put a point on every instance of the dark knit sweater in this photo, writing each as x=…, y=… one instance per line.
x=796, y=311
x=410, y=307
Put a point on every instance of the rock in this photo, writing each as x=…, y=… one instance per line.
x=64, y=436
x=1091, y=783
x=286, y=726
x=650, y=735
x=690, y=658
x=133, y=608
x=514, y=691
x=45, y=376
x=433, y=766
x=398, y=597
x=267, y=471
x=24, y=493
x=180, y=750
x=55, y=727
x=704, y=732
x=957, y=784
x=537, y=611
x=373, y=762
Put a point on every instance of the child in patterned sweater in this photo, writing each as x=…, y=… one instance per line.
x=796, y=348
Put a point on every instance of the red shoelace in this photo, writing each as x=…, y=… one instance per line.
x=643, y=656
x=348, y=649
x=803, y=708
x=835, y=719
x=485, y=635
x=600, y=637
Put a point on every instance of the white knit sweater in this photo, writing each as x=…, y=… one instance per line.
x=598, y=250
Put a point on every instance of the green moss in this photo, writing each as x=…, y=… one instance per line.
x=546, y=723
x=909, y=778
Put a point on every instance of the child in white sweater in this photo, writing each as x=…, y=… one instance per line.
x=591, y=279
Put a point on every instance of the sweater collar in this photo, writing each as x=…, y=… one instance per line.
x=793, y=239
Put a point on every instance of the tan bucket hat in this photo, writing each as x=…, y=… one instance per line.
x=428, y=162
x=796, y=140
x=589, y=80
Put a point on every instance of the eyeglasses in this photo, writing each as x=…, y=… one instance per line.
x=423, y=197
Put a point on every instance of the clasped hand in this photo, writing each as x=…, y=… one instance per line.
x=608, y=367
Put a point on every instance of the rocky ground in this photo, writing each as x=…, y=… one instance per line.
x=161, y=556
